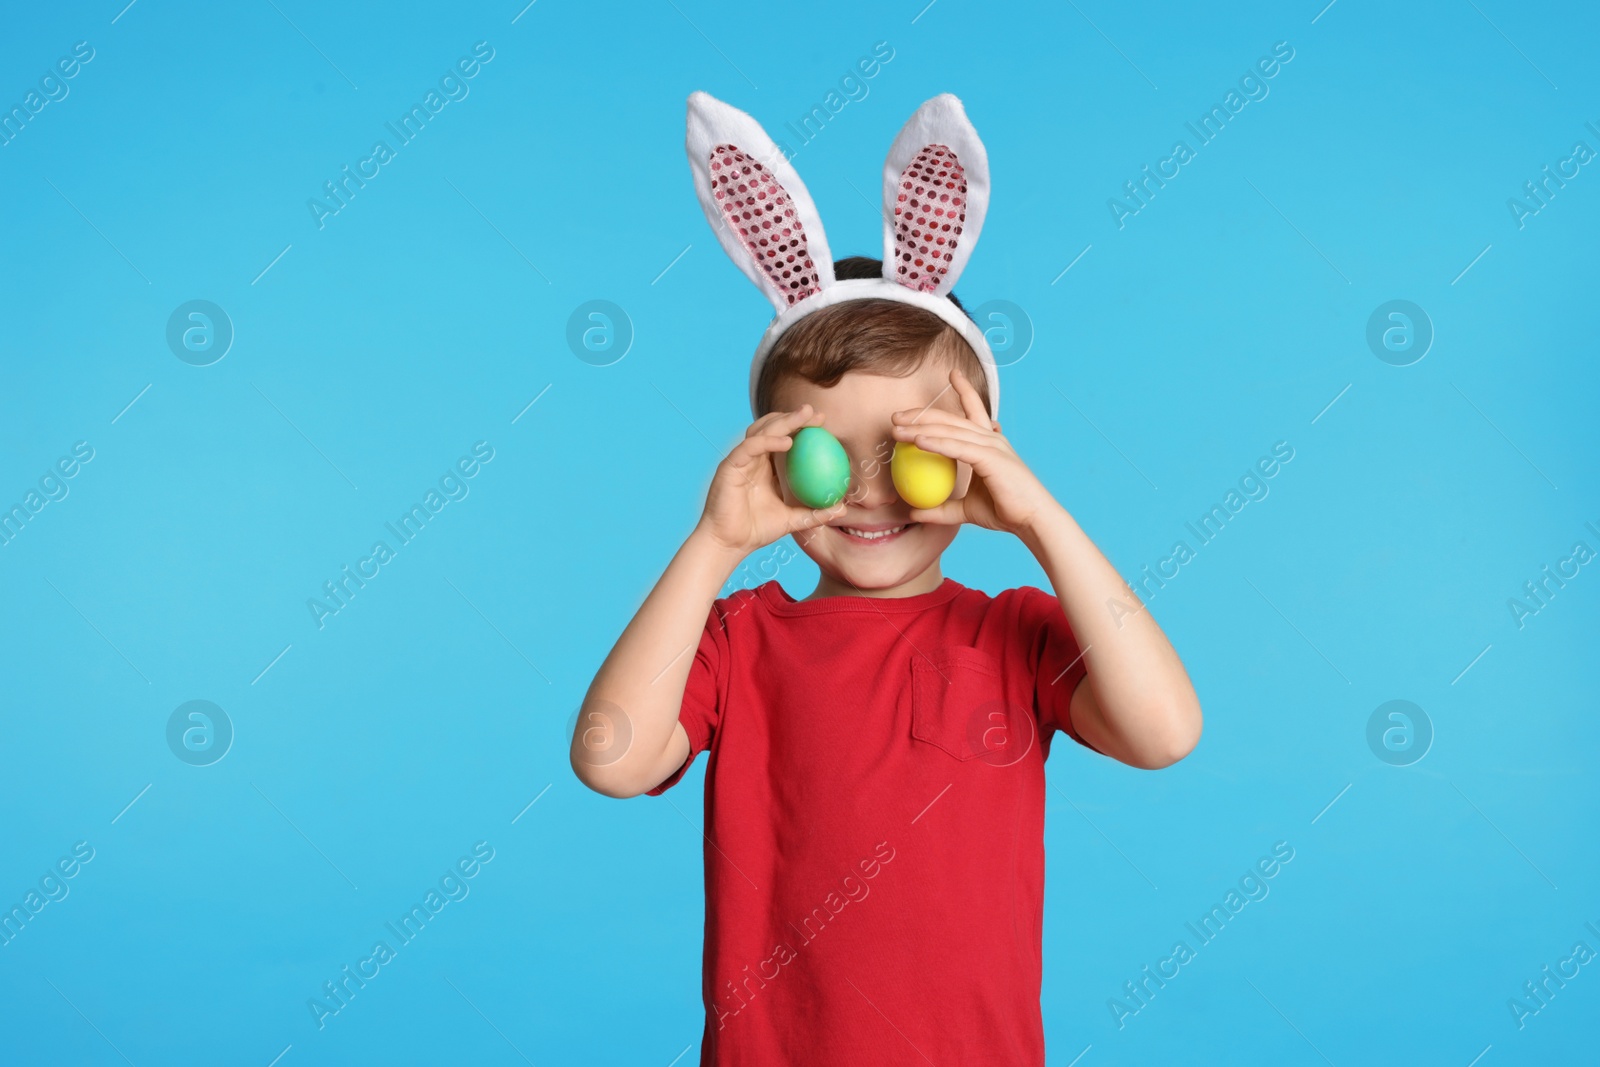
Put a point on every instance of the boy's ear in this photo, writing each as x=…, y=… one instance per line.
x=935, y=197
x=756, y=203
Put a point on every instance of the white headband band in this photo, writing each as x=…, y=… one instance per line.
x=935, y=197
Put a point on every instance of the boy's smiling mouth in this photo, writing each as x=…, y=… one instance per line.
x=874, y=533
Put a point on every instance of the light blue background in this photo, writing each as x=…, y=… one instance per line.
x=426, y=315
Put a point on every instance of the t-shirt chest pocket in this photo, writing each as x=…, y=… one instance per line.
x=951, y=689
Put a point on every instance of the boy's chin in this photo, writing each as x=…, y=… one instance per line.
x=893, y=569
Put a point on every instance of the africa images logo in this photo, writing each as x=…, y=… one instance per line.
x=738, y=997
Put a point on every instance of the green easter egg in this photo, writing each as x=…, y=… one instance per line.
x=819, y=470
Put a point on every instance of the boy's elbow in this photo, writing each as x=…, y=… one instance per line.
x=1181, y=736
x=1178, y=738
x=633, y=773
x=610, y=780
x=605, y=753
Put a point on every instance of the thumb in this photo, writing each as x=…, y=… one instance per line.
x=804, y=518
x=949, y=513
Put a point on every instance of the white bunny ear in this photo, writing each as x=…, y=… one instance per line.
x=756, y=203
x=935, y=195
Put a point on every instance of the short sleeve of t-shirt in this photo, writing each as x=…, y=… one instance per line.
x=702, y=694
x=1056, y=660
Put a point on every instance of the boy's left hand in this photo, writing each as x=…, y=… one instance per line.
x=1003, y=493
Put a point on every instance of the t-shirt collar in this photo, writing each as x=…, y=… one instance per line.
x=779, y=602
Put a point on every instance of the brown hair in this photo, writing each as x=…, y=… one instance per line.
x=874, y=335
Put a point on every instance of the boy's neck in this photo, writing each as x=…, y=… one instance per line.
x=926, y=582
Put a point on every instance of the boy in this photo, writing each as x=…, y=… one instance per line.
x=874, y=800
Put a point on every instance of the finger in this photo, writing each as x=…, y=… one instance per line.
x=977, y=453
x=750, y=456
x=979, y=438
x=781, y=421
x=934, y=417
x=763, y=422
x=749, y=461
x=971, y=402
x=952, y=512
x=802, y=518
x=944, y=418
x=761, y=444
x=784, y=421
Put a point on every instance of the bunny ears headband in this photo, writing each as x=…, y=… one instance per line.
x=935, y=195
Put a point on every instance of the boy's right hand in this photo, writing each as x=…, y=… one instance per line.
x=745, y=509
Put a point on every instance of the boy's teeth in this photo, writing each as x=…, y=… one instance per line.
x=871, y=536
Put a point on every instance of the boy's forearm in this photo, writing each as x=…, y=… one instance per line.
x=1145, y=700
x=642, y=679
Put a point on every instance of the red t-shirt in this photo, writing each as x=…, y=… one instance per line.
x=874, y=821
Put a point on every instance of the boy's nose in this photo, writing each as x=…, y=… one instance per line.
x=871, y=485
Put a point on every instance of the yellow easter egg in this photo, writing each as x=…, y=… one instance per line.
x=923, y=479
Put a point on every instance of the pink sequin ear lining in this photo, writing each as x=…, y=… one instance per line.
x=928, y=213
x=761, y=213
